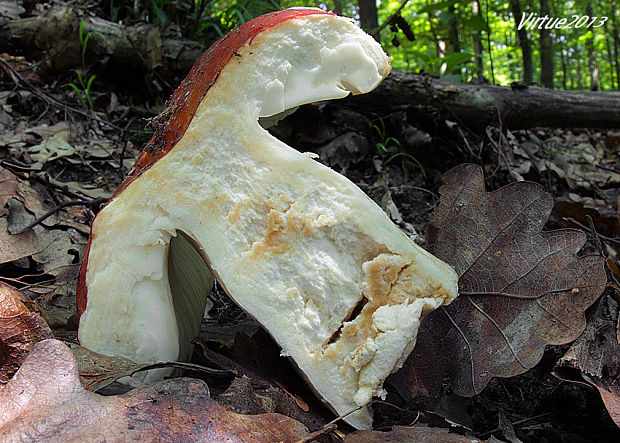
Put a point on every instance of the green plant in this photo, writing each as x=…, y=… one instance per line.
x=160, y=16
x=84, y=83
x=224, y=16
x=113, y=12
x=383, y=147
x=82, y=89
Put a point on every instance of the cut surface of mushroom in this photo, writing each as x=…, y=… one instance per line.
x=295, y=244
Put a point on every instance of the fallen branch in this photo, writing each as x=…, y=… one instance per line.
x=479, y=105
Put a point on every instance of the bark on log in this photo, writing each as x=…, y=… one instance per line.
x=55, y=34
x=478, y=105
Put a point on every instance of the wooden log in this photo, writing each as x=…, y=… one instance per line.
x=518, y=107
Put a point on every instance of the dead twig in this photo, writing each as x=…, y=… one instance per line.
x=316, y=434
x=51, y=182
x=516, y=423
x=94, y=202
x=329, y=427
x=499, y=145
x=585, y=228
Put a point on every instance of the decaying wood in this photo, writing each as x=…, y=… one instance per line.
x=54, y=35
x=478, y=105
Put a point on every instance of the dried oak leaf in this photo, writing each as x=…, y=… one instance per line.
x=45, y=402
x=595, y=356
x=20, y=329
x=520, y=289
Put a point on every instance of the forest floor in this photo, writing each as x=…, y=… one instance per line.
x=58, y=156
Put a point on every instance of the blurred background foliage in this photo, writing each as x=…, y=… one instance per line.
x=461, y=39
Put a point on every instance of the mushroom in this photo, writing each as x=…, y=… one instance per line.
x=295, y=244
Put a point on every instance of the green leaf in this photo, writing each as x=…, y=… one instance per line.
x=79, y=94
x=80, y=78
x=206, y=26
x=410, y=157
x=477, y=23
x=457, y=59
x=81, y=32
x=437, y=6
x=90, y=82
x=447, y=17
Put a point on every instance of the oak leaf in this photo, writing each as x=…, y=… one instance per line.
x=20, y=329
x=45, y=402
x=520, y=288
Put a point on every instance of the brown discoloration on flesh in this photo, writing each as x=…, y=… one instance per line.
x=282, y=226
x=403, y=289
x=276, y=240
x=390, y=280
x=235, y=213
x=381, y=274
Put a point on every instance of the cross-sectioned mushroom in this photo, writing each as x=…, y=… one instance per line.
x=295, y=244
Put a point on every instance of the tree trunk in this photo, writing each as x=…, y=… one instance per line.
x=526, y=48
x=486, y=13
x=454, y=36
x=440, y=45
x=564, y=64
x=591, y=54
x=546, y=49
x=478, y=105
x=338, y=7
x=616, y=39
x=475, y=9
x=610, y=55
x=369, y=18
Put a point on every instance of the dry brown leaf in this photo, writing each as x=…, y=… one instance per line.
x=251, y=393
x=97, y=370
x=419, y=434
x=611, y=398
x=596, y=355
x=8, y=188
x=31, y=199
x=242, y=397
x=14, y=247
x=45, y=401
x=520, y=289
x=22, y=203
x=20, y=329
